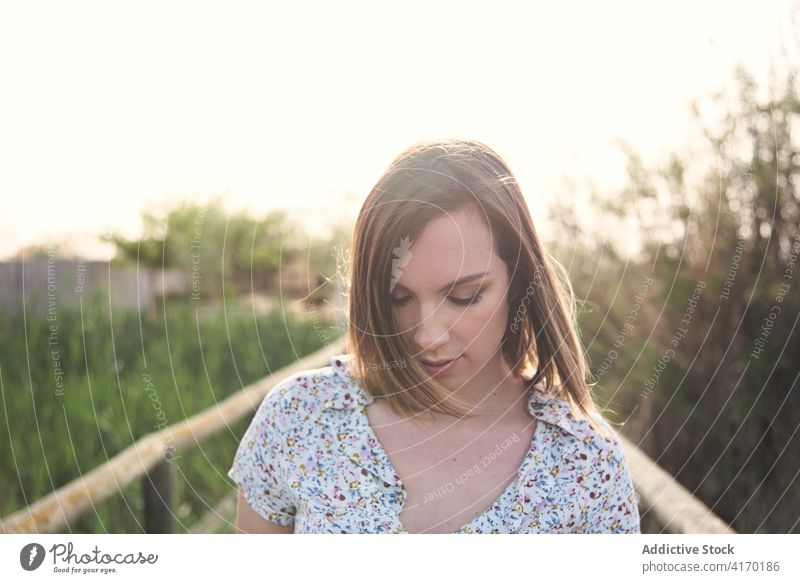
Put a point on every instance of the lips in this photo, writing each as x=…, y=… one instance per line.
x=436, y=362
x=438, y=367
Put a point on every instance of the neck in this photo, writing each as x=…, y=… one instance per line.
x=494, y=390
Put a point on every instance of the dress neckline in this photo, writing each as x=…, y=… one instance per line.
x=383, y=459
x=345, y=401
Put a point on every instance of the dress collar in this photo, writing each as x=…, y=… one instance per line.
x=537, y=476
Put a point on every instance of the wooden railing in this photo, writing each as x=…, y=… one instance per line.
x=668, y=505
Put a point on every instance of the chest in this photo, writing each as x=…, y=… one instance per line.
x=452, y=474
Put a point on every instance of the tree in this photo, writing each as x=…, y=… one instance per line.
x=209, y=241
x=709, y=380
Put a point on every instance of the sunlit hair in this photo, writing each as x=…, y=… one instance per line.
x=427, y=180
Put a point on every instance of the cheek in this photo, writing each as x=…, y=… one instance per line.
x=489, y=318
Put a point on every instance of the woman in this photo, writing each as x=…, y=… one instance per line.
x=462, y=405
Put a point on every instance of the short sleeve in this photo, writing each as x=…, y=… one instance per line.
x=614, y=509
x=258, y=463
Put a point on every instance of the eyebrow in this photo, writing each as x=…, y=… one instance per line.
x=465, y=279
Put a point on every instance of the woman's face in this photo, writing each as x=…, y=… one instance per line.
x=465, y=323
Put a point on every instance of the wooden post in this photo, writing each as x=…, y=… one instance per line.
x=157, y=488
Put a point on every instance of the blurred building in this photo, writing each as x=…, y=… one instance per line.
x=46, y=283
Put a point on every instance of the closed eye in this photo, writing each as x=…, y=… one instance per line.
x=458, y=301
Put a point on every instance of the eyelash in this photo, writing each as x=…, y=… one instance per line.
x=466, y=302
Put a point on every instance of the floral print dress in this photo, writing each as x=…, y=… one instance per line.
x=311, y=460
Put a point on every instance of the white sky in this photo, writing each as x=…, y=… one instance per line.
x=106, y=108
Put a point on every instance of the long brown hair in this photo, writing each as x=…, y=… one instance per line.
x=443, y=176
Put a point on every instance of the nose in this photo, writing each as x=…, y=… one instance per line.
x=432, y=331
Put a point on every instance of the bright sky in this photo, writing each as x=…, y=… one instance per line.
x=107, y=108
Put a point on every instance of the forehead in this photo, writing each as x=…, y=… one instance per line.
x=449, y=247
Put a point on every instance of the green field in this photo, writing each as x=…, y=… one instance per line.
x=75, y=396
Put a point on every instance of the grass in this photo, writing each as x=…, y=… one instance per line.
x=123, y=378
